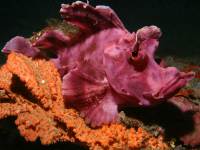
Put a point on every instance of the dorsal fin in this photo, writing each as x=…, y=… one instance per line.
x=85, y=19
x=90, y=18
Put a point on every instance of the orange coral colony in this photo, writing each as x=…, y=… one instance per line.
x=30, y=89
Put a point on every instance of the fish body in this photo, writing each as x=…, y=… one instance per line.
x=106, y=67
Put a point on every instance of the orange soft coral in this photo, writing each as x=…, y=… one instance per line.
x=31, y=91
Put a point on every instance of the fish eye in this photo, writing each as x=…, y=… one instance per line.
x=134, y=53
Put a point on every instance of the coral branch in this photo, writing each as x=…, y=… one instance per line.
x=35, y=75
x=41, y=113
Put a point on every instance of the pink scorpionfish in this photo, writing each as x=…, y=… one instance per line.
x=105, y=67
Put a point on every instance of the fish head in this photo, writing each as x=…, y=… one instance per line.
x=133, y=72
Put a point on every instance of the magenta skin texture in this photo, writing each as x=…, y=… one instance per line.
x=108, y=67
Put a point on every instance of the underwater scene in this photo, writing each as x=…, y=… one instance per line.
x=100, y=75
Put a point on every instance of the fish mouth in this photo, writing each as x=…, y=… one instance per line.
x=171, y=87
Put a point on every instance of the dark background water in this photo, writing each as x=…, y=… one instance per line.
x=179, y=20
